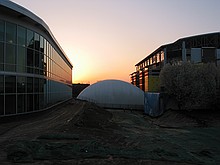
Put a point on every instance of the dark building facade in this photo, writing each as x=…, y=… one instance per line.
x=195, y=49
x=35, y=73
x=77, y=88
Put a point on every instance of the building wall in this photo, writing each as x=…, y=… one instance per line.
x=77, y=88
x=196, y=49
x=34, y=73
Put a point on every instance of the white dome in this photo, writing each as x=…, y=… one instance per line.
x=114, y=94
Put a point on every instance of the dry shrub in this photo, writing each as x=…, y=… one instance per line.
x=192, y=85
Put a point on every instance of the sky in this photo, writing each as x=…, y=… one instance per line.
x=104, y=39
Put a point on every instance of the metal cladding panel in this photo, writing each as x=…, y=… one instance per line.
x=153, y=104
x=153, y=84
x=114, y=94
x=218, y=54
x=196, y=55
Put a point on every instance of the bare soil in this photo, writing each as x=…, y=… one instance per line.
x=82, y=133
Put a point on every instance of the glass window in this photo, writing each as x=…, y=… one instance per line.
x=41, y=64
x=49, y=50
x=52, y=54
x=162, y=55
x=30, y=60
x=36, y=59
x=36, y=85
x=208, y=55
x=48, y=64
x=10, y=84
x=21, y=36
x=10, y=59
x=36, y=102
x=30, y=85
x=48, y=47
x=1, y=85
x=1, y=56
x=10, y=32
x=30, y=39
x=41, y=44
x=41, y=61
x=158, y=57
x=41, y=85
x=21, y=84
x=41, y=101
x=153, y=59
x=10, y=104
x=37, y=41
x=2, y=104
x=2, y=30
x=45, y=46
x=21, y=102
x=45, y=65
x=30, y=104
x=46, y=93
x=21, y=59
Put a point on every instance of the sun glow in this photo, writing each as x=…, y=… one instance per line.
x=80, y=66
x=86, y=67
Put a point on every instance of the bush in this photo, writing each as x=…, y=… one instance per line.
x=192, y=85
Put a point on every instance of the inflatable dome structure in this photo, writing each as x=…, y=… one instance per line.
x=114, y=94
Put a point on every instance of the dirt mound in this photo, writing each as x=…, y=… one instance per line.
x=182, y=119
x=92, y=116
x=174, y=119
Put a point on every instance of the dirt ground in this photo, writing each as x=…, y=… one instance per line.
x=81, y=133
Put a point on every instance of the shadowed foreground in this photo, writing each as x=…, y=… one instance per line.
x=82, y=133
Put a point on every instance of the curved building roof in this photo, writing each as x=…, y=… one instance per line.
x=24, y=13
x=196, y=41
x=114, y=94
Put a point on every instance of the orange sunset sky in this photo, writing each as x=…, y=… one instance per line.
x=104, y=39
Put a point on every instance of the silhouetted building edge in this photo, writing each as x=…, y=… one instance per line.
x=202, y=48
